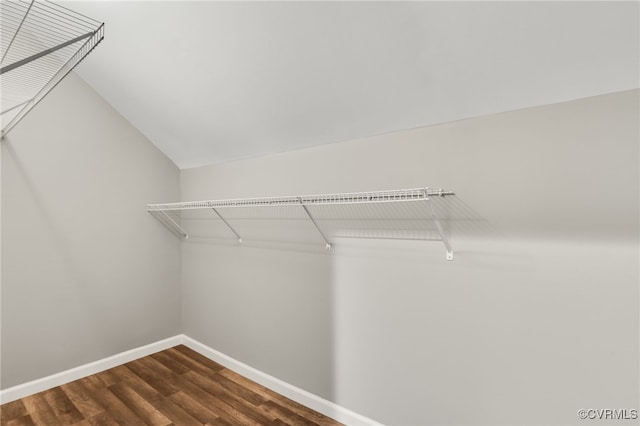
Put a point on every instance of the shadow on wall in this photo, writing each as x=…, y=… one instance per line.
x=277, y=300
x=47, y=281
x=269, y=308
x=393, y=331
x=58, y=230
x=289, y=227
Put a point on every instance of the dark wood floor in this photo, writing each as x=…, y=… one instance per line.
x=174, y=387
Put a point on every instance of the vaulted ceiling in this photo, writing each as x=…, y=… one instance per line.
x=210, y=82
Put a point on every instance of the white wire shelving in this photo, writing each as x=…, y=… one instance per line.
x=40, y=43
x=406, y=214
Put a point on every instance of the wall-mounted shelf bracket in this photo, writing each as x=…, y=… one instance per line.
x=327, y=244
x=436, y=221
x=171, y=224
x=227, y=224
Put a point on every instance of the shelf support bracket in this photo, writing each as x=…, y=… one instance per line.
x=306, y=210
x=443, y=237
x=227, y=223
x=174, y=224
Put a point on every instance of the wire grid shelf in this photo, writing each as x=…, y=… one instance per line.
x=325, y=199
x=406, y=214
x=40, y=43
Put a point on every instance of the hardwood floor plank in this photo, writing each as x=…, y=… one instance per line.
x=115, y=408
x=39, y=410
x=254, y=387
x=170, y=363
x=156, y=367
x=303, y=411
x=107, y=377
x=238, y=404
x=219, y=422
x=193, y=408
x=174, y=387
x=199, y=357
x=20, y=421
x=287, y=415
x=84, y=422
x=146, y=384
x=65, y=411
x=122, y=374
x=142, y=388
x=221, y=408
x=268, y=394
x=155, y=381
x=190, y=362
x=139, y=405
x=239, y=390
x=175, y=413
x=81, y=398
x=102, y=419
x=12, y=410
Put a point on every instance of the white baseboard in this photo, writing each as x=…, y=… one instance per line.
x=39, y=385
x=301, y=396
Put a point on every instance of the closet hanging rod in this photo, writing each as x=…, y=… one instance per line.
x=415, y=194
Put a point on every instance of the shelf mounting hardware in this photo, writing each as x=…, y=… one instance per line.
x=227, y=223
x=175, y=225
x=436, y=221
x=327, y=244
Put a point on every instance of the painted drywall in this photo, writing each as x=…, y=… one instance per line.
x=86, y=271
x=268, y=77
x=537, y=317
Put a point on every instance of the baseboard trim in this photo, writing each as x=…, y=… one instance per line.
x=48, y=382
x=301, y=396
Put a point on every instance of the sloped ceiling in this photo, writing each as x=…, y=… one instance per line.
x=210, y=82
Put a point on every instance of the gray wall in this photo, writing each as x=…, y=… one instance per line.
x=536, y=317
x=86, y=271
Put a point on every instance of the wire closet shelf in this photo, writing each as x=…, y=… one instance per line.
x=406, y=214
x=40, y=44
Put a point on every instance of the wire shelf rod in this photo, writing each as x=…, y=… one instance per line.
x=17, y=31
x=11, y=17
x=326, y=199
x=42, y=23
x=71, y=16
x=47, y=17
x=76, y=15
x=50, y=34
